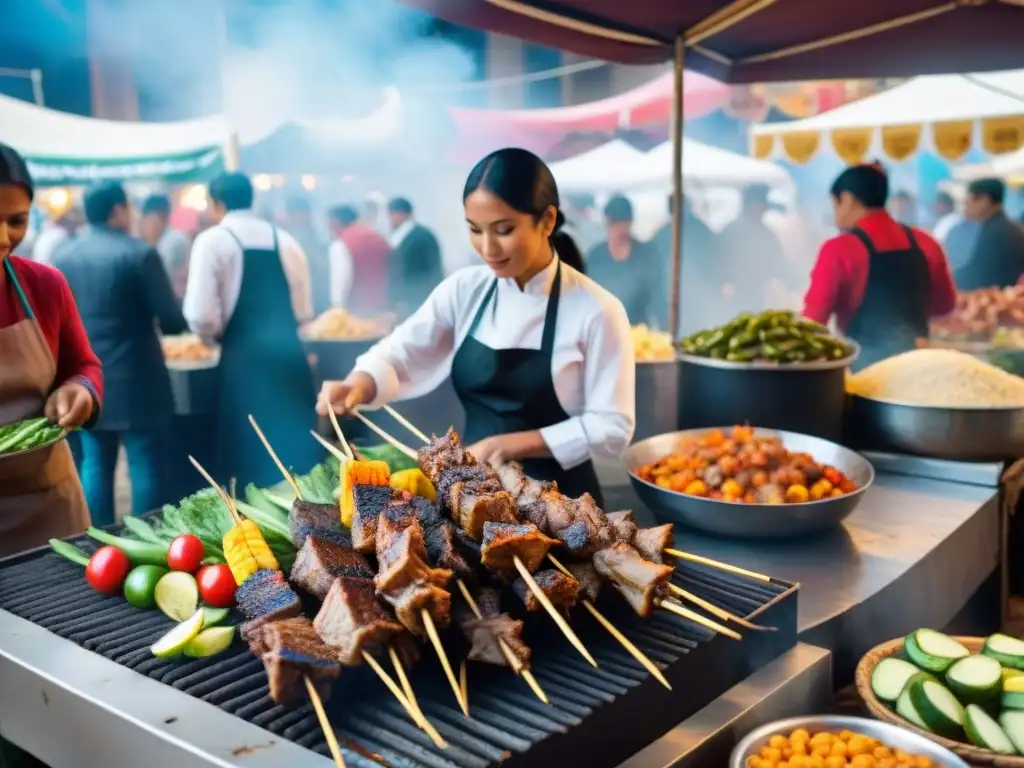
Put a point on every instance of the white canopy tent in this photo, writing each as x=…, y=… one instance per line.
x=619, y=167
x=960, y=111
x=62, y=148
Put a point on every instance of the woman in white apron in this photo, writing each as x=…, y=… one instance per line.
x=46, y=368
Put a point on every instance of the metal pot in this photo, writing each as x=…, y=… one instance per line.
x=808, y=398
x=657, y=397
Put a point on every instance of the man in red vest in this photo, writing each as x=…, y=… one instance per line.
x=358, y=263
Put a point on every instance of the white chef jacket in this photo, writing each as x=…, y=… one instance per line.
x=342, y=272
x=593, y=365
x=215, y=272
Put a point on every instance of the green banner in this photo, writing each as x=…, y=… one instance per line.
x=200, y=165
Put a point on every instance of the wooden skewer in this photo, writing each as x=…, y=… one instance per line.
x=719, y=565
x=325, y=724
x=553, y=612
x=714, y=610
x=223, y=494
x=464, y=681
x=511, y=658
x=406, y=423
x=626, y=643
x=337, y=430
x=425, y=724
x=686, y=613
x=273, y=455
x=331, y=448
x=428, y=623
x=386, y=437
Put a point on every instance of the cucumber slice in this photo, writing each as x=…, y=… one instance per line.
x=933, y=651
x=975, y=679
x=214, y=616
x=985, y=732
x=889, y=678
x=1013, y=727
x=905, y=709
x=1008, y=651
x=1013, y=700
x=937, y=706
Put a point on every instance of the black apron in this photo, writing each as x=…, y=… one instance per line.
x=263, y=371
x=511, y=390
x=894, y=312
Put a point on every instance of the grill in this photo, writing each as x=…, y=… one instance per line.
x=598, y=716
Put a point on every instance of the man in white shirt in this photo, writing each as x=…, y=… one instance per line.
x=249, y=290
x=946, y=216
x=55, y=234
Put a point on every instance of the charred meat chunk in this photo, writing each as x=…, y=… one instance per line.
x=442, y=551
x=563, y=591
x=503, y=543
x=589, y=580
x=442, y=453
x=407, y=649
x=652, y=542
x=475, y=500
x=266, y=594
x=352, y=621
x=639, y=581
x=623, y=526
x=319, y=563
x=295, y=650
x=402, y=556
x=368, y=502
x=412, y=600
x=486, y=634
x=523, y=489
x=309, y=519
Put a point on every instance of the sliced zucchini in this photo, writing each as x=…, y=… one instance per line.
x=890, y=676
x=933, y=651
x=985, y=732
x=937, y=706
x=1008, y=651
x=1013, y=726
x=905, y=709
x=1013, y=700
x=975, y=679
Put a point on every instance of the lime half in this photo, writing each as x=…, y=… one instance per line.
x=210, y=642
x=177, y=595
x=175, y=641
x=214, y=616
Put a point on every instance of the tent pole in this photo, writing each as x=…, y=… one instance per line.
x=677, y=184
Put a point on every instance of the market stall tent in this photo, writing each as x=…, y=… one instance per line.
x=947, y=113
x=65, y=149
x=599, y=170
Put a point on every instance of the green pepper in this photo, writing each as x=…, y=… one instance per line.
x=805, y=324
x=796, y=356
x=718, y=354
x=774, y=334
x=139, y=552
x=741, y=355
x=712, y=341
x=742, y=339
x=790, y=345
x=770, y=351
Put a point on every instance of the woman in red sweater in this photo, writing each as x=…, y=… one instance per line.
x=46, y=368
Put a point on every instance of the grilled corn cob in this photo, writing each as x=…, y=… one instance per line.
x=415, y=482
x=246, y=551
x=360, y=473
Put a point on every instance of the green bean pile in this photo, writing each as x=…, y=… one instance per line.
x=27, y=434
x=775, y=336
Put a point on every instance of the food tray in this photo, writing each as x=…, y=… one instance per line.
x=751, y=520
x=889, y=734
x=975, y=755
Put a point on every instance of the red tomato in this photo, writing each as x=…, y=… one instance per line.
x=186, y=554
x=216, y=586
x=107, y=570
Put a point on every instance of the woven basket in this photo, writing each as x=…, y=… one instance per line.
x=877, y=709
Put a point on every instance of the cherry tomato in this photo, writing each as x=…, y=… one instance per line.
x=107, y=570
x=186, y=554
x=216, y=586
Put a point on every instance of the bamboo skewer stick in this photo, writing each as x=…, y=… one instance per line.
x=435, y=639
x=398, y=446
x=686, y=613
x=717, y=564
x=314, y=696
x=333, y=450
x=406, y=423
x=425, y=724
x=325, y=724
x=464, y=681
x=372, y=662
x=714, y=610
x=511, y=658
x=626, y=643
x=337, y=430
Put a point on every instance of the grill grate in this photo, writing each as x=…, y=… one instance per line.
x=508, y=725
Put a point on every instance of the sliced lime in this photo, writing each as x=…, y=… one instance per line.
x=177, y=595
x=214, y=616
x=174, y=642
x=210, y=642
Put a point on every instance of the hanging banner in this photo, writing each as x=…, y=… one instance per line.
x=801, y=147
x=1000, y=135
x=852, y=144
x=763, y=145
x=201, y=165
x=952, y=139
x=899, y=142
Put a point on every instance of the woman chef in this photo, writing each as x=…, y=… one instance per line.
x=46, y=368
x=540, y=356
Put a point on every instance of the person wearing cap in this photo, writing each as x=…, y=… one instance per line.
x=415, y=265
x=172, y=244
x=359, y=263
x=248, y=291
x=997, y=256
x=879, y=280
x=48, y=369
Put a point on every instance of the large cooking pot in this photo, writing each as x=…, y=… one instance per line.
x=808, y=398
x=657, y=397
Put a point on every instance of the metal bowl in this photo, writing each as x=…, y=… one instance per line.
x=888, y=734
x=763, y=521
x=961, y=434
